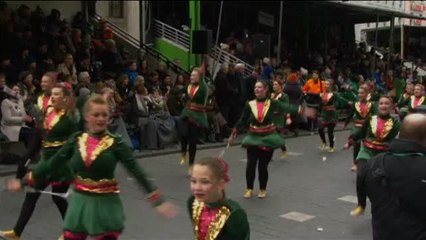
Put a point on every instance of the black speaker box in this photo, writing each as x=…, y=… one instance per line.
x=261, y=45
x=202, y=41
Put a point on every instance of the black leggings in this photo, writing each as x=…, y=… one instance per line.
x=255, y=155
x=30, y=202
x=357, y=147
x=330, y=131
x=360, y=178
x=32, y=140
x=189, y=137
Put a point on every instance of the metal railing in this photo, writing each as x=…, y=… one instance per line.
x=162, y=30
x=181, y=38
x=142, y=48
x=221, y=57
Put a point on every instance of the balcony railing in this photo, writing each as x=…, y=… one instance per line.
x=162, y=30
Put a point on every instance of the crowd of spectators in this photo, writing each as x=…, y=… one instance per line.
x=86, y=57
x=148, y=102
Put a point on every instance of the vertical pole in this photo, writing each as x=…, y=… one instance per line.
x=392, y=26
x=216, y=44
x=194, y=16
x=280, y=32
x=402, y=41
x=375, y=43
x=307, y=28
x=326, y=34
x=141, y=23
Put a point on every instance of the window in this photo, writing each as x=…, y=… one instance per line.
x=116, y=9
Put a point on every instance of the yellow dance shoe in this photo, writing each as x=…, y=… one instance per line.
x=284, y=154
x=358, y=211
x=262, y=194
x=9, y=234
x=248, y=193
x=183, y=159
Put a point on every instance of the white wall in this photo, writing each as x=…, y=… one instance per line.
x=130, y=20
x=67, y=8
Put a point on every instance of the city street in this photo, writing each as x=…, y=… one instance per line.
x=310, y=195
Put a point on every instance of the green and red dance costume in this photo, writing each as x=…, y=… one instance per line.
x=361, y=111
x=411, y=103
x=262, y=136
x=281, y=117
x=330, y=102
x=95, y=208
x=222, y=220
x=193, y=118
x=376, y=134
x=57, y=127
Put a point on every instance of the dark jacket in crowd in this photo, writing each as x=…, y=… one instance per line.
x=294, y=92
x=396, y=187
x=224, y=89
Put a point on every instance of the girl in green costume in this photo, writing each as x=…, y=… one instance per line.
x=193, y=116
x=376, y=133
x=95, y=208
x=330, y=101
x=362, y=110
x=418, y=98
x=213, y=215
x=262, y=137
x=278, y=95
x=60, y=121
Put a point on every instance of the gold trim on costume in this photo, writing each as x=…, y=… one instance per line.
x=104, y=144
x=276, y=96
x=421, y=100
x=195, y=91
x=358, y=109
x=40, y=102
x=253, y=107
x=386, y=130
x=55, y=119
x=47, y=144
x=104, y=185
x=215, y=226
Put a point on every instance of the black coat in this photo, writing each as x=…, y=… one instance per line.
x=294, y=92
x=396, y=186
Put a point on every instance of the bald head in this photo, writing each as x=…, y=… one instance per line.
x=414, y=128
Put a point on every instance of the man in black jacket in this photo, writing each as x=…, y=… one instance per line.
x=396, y=184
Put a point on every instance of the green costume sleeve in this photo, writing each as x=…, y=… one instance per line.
x=287, y=108
x=285, y=98
x=243, y=121
x=341, y=102
x=189, y=206
x=395, y=129
x=361, y=133
x=124, y=155
x=402, y=102
x=43, y=168
x=237, y=221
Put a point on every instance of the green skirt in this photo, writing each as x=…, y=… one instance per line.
x=62, y=173
x=272, y=140
x=366, y=153
x=94, y=214
x=199, y=118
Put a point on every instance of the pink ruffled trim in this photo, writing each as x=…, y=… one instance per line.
x=79, y=236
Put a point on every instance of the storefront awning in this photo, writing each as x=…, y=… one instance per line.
x=370, y=8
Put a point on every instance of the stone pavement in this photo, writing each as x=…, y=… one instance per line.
x=310, y=196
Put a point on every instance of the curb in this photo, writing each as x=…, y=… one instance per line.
x=200, y=147
x=217, y=145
